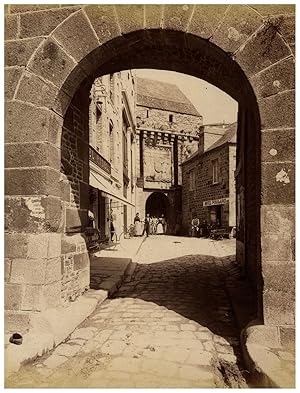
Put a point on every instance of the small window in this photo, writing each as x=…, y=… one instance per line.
x=215, y=171
x=147, y=113
x=170, y=118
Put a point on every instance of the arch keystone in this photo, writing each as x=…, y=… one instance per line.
x=153, y=16
x=176, y=17
x=130, y=17
x=103, y=20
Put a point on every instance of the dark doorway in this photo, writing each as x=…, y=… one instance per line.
x=157, y=204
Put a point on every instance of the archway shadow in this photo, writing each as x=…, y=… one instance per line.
x=199, y=288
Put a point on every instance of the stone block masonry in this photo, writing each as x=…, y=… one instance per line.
x=204, y=189
x=159, y=119
x=75, y=263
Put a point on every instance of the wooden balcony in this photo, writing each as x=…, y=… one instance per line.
x=100, y=161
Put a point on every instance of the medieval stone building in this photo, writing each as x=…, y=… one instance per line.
x=167, y=129
x=208, y=186
x=112, y=151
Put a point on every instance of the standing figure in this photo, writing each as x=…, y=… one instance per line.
x=160, y=228
x=164, y=223
x=91, y=218
x=151, y=230
x=195, y=227
x=137, y=225
x=112, y=227
x=146, y=225
x=204, y=229
x=155, y=222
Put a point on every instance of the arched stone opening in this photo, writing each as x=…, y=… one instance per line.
x=157, y=204
x=248, y=56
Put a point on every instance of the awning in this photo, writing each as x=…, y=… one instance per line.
x=107, y=190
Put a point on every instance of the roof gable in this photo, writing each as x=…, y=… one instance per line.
x=164, y=96
x=228, y=137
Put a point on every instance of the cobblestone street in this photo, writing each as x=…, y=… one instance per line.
x=171, y=325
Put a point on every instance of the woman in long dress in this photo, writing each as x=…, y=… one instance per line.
x=160, y=228
x=137, y=225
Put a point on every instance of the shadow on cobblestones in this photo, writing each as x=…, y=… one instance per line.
x=195, y=287
x=170, y=325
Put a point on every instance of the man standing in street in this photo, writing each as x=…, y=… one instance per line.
x=146, y=225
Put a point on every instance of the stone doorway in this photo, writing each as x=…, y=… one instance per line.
x=158, y=204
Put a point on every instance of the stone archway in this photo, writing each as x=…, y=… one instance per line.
x=52, y=54
x=157, y=204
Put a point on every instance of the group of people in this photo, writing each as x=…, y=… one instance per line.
x=203, y=230
x=150, y=225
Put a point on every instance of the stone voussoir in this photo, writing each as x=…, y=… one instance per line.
x=52, y=63
x=176, y=17
x=238, y=24
x=42, y=23
x=76, y=36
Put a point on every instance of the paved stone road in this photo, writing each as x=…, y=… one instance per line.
x=170, y=326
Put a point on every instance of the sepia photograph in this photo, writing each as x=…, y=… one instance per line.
x=149, y=194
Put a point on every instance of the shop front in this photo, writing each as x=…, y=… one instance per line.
x=217, y=212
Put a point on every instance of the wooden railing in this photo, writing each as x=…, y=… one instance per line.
x=97, y=159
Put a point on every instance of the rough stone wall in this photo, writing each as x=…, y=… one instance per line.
x=232, y=186
x=192, y=200
x=159, y=120
x=75, y=172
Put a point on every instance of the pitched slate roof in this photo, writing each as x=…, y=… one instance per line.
x=228, y=137
x=165, y=96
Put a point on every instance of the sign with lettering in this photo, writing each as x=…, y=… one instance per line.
x=215, y=202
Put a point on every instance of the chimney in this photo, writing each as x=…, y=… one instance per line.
x=201, y=140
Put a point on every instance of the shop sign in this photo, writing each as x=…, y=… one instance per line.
x=215, y=202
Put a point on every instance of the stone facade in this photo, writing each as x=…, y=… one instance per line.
x=208, y=190
x=113, y=149
x=160, y=120
x=50, y=50
x=75, y=269
x=166, y=138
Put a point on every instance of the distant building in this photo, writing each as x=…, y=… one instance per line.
x=112, y=151
x=167, y=133
x=208, y=189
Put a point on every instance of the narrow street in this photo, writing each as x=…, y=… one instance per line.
x=171, y=325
